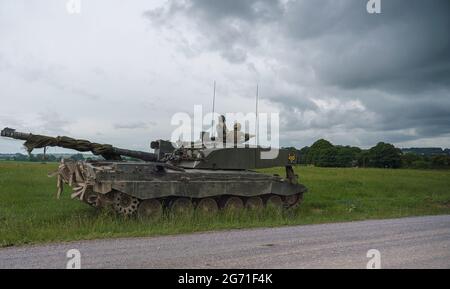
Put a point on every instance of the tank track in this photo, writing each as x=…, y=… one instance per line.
x=127, y=205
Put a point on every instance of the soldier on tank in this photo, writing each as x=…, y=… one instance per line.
x=222, y=130
x=237, y=136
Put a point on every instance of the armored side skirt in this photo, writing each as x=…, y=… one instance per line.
x=154, y=180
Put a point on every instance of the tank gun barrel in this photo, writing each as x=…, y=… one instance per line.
x=107, y=151
x=145, y=156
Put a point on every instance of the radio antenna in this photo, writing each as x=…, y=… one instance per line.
x=257, y=123
x=213, y=110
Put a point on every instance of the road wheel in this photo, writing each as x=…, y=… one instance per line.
x=232, y=204
x=92, y=198
x=254, y=203
x=208, y=206
x=293, y=201
x=151, y=209
x=274, y=201
x=104, y=200
x=125, y=204
x=181, y=206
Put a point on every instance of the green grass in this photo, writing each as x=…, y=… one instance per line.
x=30, y=212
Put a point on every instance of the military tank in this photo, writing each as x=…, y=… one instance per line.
x=207, y=175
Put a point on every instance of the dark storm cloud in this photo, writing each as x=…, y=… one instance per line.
x=406, y=48
x=396, y=65
x=250, y=10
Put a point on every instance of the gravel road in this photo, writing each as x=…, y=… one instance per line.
x=422, y=242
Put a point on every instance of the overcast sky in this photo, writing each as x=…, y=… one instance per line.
x=117, y=72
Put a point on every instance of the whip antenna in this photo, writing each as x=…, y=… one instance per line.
x=213, y=110
x=257, y=123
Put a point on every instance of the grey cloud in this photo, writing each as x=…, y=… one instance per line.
x=9, y=121
x=47, y=122
x=34, y=70
x=52, y=123
x=425, y=113
x=226, y=25
x=405, y=52
x=250, y=10
x=133, y=125
x=219, y=11
x=4, y=63
x=407, y=46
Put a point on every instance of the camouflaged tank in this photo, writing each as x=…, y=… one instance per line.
x=207, y=175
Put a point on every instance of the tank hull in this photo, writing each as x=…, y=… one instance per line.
x=96, y=182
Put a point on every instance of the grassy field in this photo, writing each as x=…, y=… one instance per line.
x=30, y=213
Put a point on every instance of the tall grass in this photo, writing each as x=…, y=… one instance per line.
x=30, y=212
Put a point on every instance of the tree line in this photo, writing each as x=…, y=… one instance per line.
x=54, y=158
x=384, y=155
x=42, y=158
x=324, y=154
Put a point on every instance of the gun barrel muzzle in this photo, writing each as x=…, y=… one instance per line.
x=8, y=132
x=12, y=133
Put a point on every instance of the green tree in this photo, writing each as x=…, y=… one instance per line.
x=20, y=157
x=303, y=155
x=77, y=157
x=421, y=164
x=347, y=156
x=384, y=155
x=326, y=157
x=409, y=159
x=440, y=162
x=315, y=152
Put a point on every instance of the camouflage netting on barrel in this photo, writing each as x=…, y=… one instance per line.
x=40, y=141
